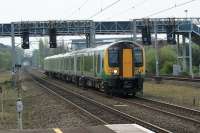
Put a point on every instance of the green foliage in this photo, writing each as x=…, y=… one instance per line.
x=167, y=68
x=185, y=73
x=196, y=55
x=167, y=57
x=5, y=59
x=195, y=69
x=150, y=60
x=44, y=51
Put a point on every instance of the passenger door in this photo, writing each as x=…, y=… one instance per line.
x=127, y=63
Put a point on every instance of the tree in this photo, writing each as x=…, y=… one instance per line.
x=196, y=55
x=5, y=57
x=150, y=60
x=167, y=57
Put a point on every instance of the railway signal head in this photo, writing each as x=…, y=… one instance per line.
x=171, y=37
x=52, y=38
x=146, y=35
x=25, y=39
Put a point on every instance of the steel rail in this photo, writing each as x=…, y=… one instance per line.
x=122, y=114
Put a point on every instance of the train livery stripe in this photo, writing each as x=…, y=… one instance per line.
x=106, y=66
x=57, y=130
x=127, y=63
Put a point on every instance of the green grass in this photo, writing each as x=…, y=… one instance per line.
x=5, y=76
x=178, y=94
x=8, y=118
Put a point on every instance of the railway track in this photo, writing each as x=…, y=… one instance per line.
x=178, y=109
x=181, y=113
x=99, y=111
x=177, y=78
x=168, y=109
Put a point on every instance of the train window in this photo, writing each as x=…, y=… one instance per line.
x=113, y=57
x=98, y=63
x=88, y=63
x=78, y=67
x=138, y=57
x=72, y=63
x=82, y=63
x=67, y=63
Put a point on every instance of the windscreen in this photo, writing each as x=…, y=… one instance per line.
x=113, y=57
x=138, y=57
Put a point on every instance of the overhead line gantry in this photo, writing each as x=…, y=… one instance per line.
x=187, y=27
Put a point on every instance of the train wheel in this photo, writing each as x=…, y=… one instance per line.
x=106, y=88
x=77, y=81
x=109, y=91
x=84, y=83
x=132, y=95
x=101, y=86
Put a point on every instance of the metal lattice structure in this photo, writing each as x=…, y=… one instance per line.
x=187, y=27
x=40, y=28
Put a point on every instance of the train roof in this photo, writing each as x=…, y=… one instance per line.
x=82, y=51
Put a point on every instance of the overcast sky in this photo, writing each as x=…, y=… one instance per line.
x=23, y=10
x=17, y=10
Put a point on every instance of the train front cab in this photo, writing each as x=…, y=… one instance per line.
x=126, y=67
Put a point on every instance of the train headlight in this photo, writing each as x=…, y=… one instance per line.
x=115, y=71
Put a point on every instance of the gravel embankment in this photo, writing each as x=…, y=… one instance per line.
x=168, y=122
x=43, y=110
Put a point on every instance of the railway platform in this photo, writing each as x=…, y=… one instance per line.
x=115, y=128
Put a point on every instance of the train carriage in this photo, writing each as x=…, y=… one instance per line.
x=114, y=68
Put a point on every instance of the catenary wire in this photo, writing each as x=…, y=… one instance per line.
x=105, y=8
x=130, y=8
x=79, y=8
x=172, y=7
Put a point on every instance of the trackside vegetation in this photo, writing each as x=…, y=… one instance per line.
x=6, y=57
x=167, y=57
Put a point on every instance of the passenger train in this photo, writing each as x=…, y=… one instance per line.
x=116, y=68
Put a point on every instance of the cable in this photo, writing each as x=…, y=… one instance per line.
x=79, y=8
x=125, y=11
x=167, y=9
x=105, y=8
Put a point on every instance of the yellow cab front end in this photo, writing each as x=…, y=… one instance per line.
x=124, y=65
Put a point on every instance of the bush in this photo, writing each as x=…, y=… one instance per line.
x=167, y=68
x=5, y=60
x=150, y=61
x=185, y=73
x=195, y=69
x=196, y=55
x=167, y=57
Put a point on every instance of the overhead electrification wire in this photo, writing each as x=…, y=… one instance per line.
x=172, y=7
x=130, y=8
x=105, y=8
x=79, y=8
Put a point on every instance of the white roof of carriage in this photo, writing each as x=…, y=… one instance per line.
x=98, y=48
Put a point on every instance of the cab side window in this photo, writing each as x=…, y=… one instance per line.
x=113, y=57
x=138, y=57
